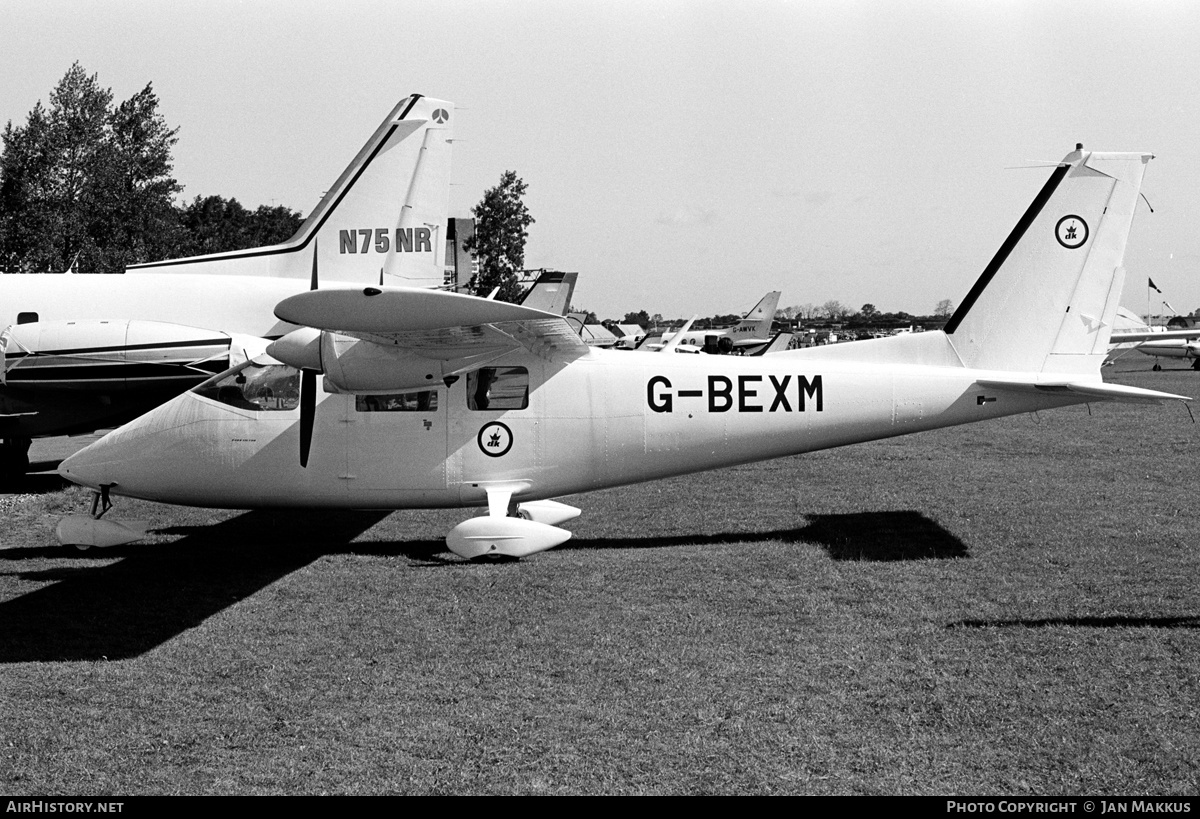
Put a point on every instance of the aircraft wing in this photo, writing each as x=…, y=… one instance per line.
x=434, y=324
x=1099, y=390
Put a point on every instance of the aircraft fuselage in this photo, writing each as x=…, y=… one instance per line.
x=603, y=420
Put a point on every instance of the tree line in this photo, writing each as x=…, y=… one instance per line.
x=86, y=183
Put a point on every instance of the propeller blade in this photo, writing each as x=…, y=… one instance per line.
x=313, y=285
x=308, y=411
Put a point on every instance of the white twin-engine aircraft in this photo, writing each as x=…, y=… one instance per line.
x=433, y=399
x=85, y=352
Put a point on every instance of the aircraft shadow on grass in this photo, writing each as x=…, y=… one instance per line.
x=1084, y=622
x=868, y=536
x=42, y=479
x=157, y=591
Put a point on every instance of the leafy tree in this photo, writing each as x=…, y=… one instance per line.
x=640, y=318
x=835, y=310
x=84, y=178
x=270, y=225
x=501, y=228
x=213, y=224
x=868, y=311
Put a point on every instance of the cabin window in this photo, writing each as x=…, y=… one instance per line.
x=424, y=401
x=498, y=388
x=27, y=318
x=257, y=387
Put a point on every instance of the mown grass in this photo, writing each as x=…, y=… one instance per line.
x=1004, y=608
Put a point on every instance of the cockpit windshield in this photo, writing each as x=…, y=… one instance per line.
x=257, y=387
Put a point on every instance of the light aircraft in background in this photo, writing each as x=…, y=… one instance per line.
x=748, y=335
x=435, y=399
x=1131, y=333
x=85, y=352
x=679, y=343
x=1173, y=344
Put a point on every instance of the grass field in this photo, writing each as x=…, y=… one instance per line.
x=1004, y=608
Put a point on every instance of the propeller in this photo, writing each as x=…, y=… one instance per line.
x=308, y=391
x=308, y=412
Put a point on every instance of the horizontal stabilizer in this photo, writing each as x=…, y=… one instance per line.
x=1098, y=390
x=1168, y=335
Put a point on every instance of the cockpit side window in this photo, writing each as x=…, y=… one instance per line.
x=498, y=388
x=424, y=401
x=257, y=387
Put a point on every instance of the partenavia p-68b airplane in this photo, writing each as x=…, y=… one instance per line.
x=434, y=399
x=84, y=352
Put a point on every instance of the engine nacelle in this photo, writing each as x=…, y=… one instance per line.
x=111, y=355
x=356, y=366
x=353, y=365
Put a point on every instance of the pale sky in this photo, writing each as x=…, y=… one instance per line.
x=683, y=157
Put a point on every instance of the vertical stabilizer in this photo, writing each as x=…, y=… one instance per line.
x=758, y=321
x=551, y=292
x=1047, y=300
x=388, y=210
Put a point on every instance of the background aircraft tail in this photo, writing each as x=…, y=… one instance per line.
x=758, y=320
x=551, y=292
x=1047, y=300
x=387, y=211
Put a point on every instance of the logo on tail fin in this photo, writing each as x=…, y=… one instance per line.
x=1071, y=232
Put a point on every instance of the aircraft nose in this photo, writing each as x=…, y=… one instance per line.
x=102, y=462
x=132, y=458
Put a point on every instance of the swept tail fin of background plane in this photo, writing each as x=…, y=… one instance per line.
x=758, y=321
x=1047, y=300
x=551, y=292
x=388, y=210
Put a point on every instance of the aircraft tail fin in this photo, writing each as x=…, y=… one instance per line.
x=758, y=321
x=388, y=210
x=551, y=292
x=1047, y=301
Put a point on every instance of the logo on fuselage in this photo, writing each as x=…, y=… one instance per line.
x=494, y=439
x=382, y=240
x=743, y=393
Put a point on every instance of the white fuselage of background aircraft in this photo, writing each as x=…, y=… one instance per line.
x=82, y=352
